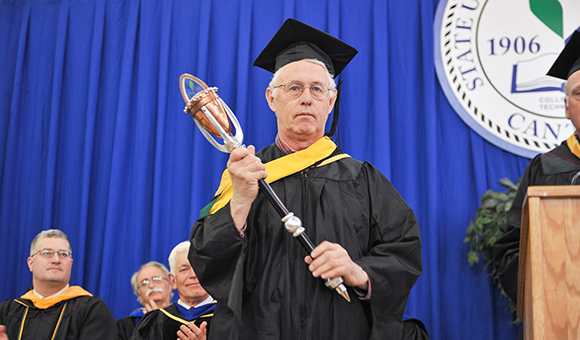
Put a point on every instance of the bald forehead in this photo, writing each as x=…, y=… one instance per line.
x=292, y=67
x=573, y=81
x=304, y=71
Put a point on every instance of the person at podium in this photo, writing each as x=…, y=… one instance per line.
x=560, y=166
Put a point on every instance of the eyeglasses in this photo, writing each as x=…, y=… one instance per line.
x=155, y=279
x=294, y=89
x=49, y=253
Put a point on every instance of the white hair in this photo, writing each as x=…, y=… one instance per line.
x=331, y=82
x=183, y=246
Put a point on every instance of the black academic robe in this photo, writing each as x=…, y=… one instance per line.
x=262, y=282
x=125, y=327
x=85, y=317
x=156, y=325
x=557, y=167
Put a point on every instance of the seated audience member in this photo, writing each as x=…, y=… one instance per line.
x=190, y=316
x=52, y=308
x=559, y=166
x=151, y=285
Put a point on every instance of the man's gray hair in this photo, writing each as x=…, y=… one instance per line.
x=183, y=246
x=47, y=234
x=331, y=82
x=135, y=284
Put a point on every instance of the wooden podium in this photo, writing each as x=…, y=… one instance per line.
x=549, y=264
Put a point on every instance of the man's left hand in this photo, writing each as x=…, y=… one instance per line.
x=151, y=305
x=332, y=260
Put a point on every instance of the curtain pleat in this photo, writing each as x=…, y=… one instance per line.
x=160, y=126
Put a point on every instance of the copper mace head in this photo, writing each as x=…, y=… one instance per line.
x=197, y=95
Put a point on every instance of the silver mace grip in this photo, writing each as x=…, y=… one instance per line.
x=294, y=225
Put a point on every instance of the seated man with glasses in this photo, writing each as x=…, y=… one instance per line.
x=190, y=316
x=52, y=308
x=151, y=285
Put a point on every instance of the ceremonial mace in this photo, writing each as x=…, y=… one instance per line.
x=214, y=118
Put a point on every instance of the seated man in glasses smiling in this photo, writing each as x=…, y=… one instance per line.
x=151, y=285
x=52, y=308
x=190, y=316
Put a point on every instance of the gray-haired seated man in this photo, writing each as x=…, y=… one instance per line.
x=52, y=308
x=151, y=286
x=190, y=316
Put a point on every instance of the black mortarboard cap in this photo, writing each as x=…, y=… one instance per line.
x=568, y=61
x=296, y=41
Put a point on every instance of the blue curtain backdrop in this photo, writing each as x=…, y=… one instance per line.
x=93, y=139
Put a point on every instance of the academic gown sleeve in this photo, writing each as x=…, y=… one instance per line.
x=5, y=311
x=150, y=327
x=393, y=258
x=125, y=327
x=98, y=322
x=506, y=250
x=219, y=264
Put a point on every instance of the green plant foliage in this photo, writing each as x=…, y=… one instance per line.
x=489, y=225
x=490, y=222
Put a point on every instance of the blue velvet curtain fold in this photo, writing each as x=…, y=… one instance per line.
x=93, y=139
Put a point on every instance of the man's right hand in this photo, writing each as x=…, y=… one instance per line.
x=245, y=170
x=3, y=335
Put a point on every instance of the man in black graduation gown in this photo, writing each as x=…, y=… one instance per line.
x=151, y=285
x=190, y=316
x=266, y=284
x=52, y=309
x=559, y=166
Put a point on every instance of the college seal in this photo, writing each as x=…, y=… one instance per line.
x=491, y=59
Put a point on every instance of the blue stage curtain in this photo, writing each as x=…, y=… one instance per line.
x=93, y=139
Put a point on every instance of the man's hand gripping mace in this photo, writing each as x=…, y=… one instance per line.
x=212, y=116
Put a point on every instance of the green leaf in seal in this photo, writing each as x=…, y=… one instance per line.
x=550, y=13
